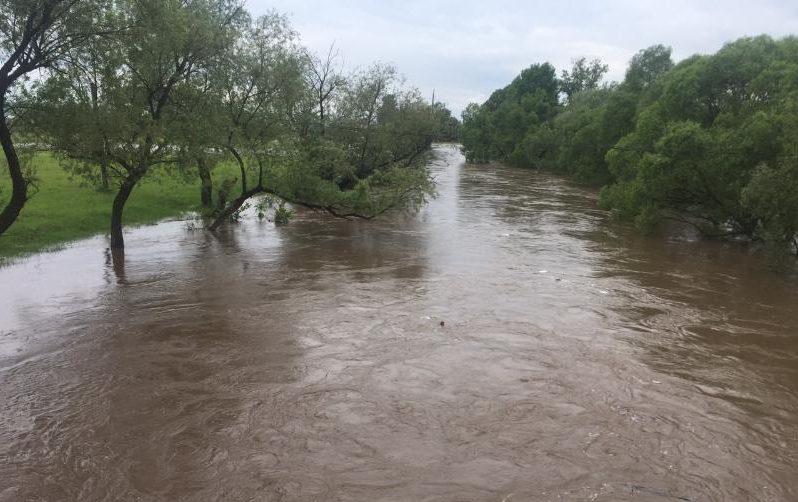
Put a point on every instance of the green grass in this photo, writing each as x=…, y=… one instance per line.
x=66, y=208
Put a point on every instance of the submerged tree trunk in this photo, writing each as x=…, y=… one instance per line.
x=125, y=189
x=234, y=206
x=206, y=182
x=19, y=185
x=115, y=260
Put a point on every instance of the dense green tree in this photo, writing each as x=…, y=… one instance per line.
x=358, y=161
x=447, y=124
x=256, y=83
x=594, y=120
x=583, y=76
x=710, y=141
x=583, y=136
x=647, y=66
x=772, y=199
x=475, y=134
x=496, y=129
x=709, y=144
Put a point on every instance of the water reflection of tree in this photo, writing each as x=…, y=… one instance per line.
x=153, y=389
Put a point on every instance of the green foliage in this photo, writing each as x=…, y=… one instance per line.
x=236, y=215
x=66, y=208
x=712, y=140
x=647, y=66
x=498, y=128
x=583, y=76
x=282, y=214
x=707, y=148
x=772, y=198
x=446, y=125
x=582, y=134
x=186, y=85
x=324, y=177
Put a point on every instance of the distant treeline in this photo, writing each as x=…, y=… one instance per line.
x=712, y=140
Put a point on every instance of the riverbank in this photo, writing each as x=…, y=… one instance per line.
x=65, y=208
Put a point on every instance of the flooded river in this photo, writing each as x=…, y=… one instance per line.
x=577, y=361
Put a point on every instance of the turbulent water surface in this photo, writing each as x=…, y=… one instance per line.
x=308, y=362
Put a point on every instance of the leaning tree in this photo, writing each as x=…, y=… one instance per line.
x=319, y=143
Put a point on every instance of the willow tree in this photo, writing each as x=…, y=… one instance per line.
x=167, y=43
x=325, y=79
x=196, y=135
x=35, y=36
x=349, y=167
x=497, y=129
x=714, y=135
x=583, y=76
x=258, y=79
x=203, y=131
x=358, y=107
x=380, y=124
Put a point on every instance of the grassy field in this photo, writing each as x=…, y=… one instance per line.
x=65, y=208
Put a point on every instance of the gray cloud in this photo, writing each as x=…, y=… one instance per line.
x=465, y=49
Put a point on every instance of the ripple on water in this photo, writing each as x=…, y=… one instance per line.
x=308, y=362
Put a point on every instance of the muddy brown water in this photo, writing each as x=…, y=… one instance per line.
x=307, y=362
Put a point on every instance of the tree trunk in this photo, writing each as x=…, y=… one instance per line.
x=19, y=186
x=321, y=116
x=206, y=187
x=242, y=167
x=104, y=178
x=105, y=183
x=234, y=206
x=117, y=240
x=115, y=260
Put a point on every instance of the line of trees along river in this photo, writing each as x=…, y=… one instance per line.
x=711, y=141
x=120, y=89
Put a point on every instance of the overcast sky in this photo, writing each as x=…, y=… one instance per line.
x=466, y=49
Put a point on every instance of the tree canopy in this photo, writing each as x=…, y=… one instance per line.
x=193, y=83
x=36, y=36
x=710, y=141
